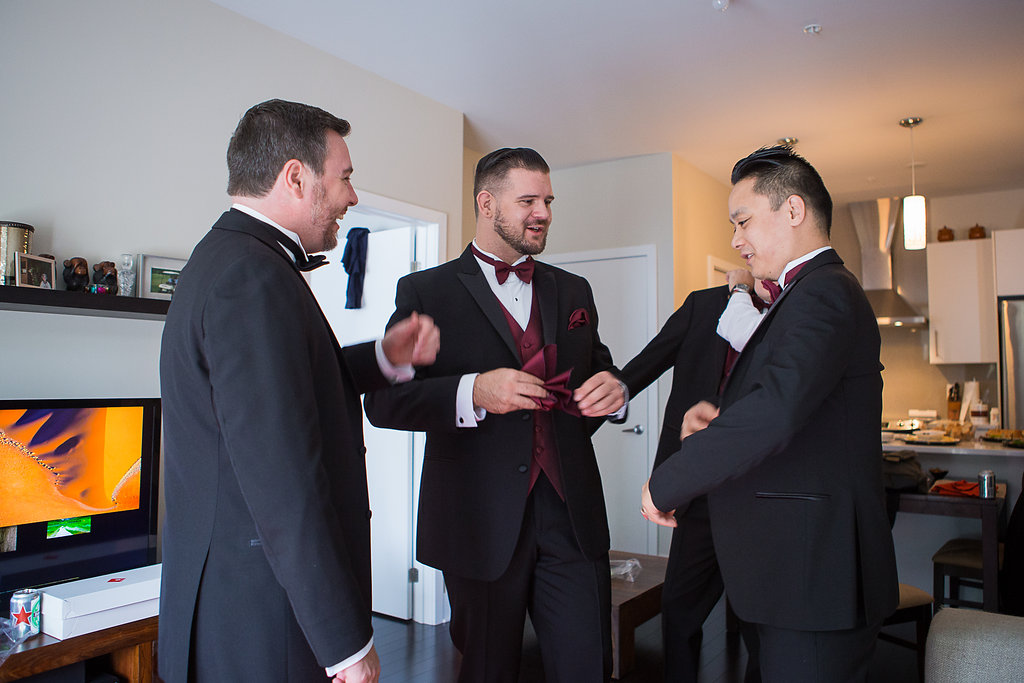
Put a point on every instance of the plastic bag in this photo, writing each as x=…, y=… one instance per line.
x=8, y=641
x=627, y=570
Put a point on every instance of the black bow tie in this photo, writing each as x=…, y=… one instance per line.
x=302, y=261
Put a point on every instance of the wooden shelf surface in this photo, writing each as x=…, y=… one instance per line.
x=127, y=642
x=35, y=300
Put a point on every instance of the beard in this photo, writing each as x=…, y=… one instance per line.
x=320, y=214
x=518, y=240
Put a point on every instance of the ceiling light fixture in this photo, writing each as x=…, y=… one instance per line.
x=720, y=5
x=915, y=232
x=812, y=29
x=788, y=142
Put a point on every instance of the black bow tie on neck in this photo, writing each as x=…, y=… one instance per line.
x=302, y=261
x=523, y=271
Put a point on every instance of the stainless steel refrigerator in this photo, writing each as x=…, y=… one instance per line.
x=1011, y=361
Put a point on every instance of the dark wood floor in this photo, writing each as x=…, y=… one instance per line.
x=414, y=653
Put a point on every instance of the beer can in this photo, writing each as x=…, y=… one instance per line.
x=986, y=484
x=25, y=606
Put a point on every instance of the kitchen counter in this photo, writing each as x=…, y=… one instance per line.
x=962, y=448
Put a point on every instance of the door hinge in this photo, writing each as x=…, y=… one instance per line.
x=414, y=575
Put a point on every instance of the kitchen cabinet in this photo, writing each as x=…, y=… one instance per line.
x=1009, y=249
x=962, y=302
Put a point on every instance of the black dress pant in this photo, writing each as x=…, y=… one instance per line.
x=692, y=588
x=789, y=656
x=567, y=596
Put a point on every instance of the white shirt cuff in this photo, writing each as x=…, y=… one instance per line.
x=621, y=412
x=394, y=373
x=465, y=414
x=333, y=671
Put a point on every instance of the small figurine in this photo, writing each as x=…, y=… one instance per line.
x=76, y=274
x=105, y=274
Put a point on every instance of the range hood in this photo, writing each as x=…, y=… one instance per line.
x=875, y=224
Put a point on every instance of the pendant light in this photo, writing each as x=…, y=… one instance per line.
x=915, y=234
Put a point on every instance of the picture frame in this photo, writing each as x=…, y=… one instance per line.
x=37, y=272
x=158, y=276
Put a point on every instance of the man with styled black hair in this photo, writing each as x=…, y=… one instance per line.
x=790, y=460
x=266, y=543
x=511, y=505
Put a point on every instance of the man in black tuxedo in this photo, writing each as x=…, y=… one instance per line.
x=266, y=544
x=791, y=459
x=511, y=506
x=690, y=344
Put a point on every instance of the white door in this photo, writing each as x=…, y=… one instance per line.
x=388, y=453
x=402, y=238
x=624, y=287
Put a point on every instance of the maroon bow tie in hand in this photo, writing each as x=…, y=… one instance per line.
x=524, y=270
x=543, y=365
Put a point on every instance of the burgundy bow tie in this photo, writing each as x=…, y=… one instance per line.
x=542, y=365
x=524, y=270
x=773, y=287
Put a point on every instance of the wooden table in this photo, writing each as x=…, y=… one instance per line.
x=128, y=647
x=633, y=603
x=988, y=510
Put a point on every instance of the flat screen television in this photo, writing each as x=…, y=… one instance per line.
x=78, y=489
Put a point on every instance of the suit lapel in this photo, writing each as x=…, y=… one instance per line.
x=473, y=280
x=546, y=296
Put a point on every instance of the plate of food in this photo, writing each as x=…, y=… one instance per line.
x=931, y=439
x=1002, y=435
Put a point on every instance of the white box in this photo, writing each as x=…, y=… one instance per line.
x=78, y=607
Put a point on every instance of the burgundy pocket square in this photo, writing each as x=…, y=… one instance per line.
x=579, y=318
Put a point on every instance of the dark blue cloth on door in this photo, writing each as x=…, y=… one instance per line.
x=354, y=261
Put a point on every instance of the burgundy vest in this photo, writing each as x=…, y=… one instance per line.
x=545, y=451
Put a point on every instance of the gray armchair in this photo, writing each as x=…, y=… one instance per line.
x=970, y=646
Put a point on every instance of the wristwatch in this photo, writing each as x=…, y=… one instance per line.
x=741, y=287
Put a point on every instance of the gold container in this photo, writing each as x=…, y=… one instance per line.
x=14, y=237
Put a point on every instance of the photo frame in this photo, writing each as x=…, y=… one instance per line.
x=33, y=271
x=158, y=275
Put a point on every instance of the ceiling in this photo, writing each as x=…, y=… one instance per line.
x=590, y=81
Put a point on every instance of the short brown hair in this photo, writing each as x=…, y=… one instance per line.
x=493, y=168
x=270, y=135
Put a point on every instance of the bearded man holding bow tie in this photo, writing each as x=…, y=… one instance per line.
x=511, y=504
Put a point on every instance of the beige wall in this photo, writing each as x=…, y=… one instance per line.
x=701, y=227
x=469, y=159
x=116, y=120
x=625, y=202
x=124, y=110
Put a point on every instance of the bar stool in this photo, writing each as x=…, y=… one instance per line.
x=915, y=606
x=959, y=559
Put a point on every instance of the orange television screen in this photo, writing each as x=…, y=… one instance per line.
x=57, y=463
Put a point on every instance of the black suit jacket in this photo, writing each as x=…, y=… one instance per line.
x=688, y=343
x=792, y=465
x=475, y=480
x=266, y=536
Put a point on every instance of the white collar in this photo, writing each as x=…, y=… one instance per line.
x=260, y=217
x=796, y=262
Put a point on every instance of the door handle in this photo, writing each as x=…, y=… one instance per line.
x=638, y=429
